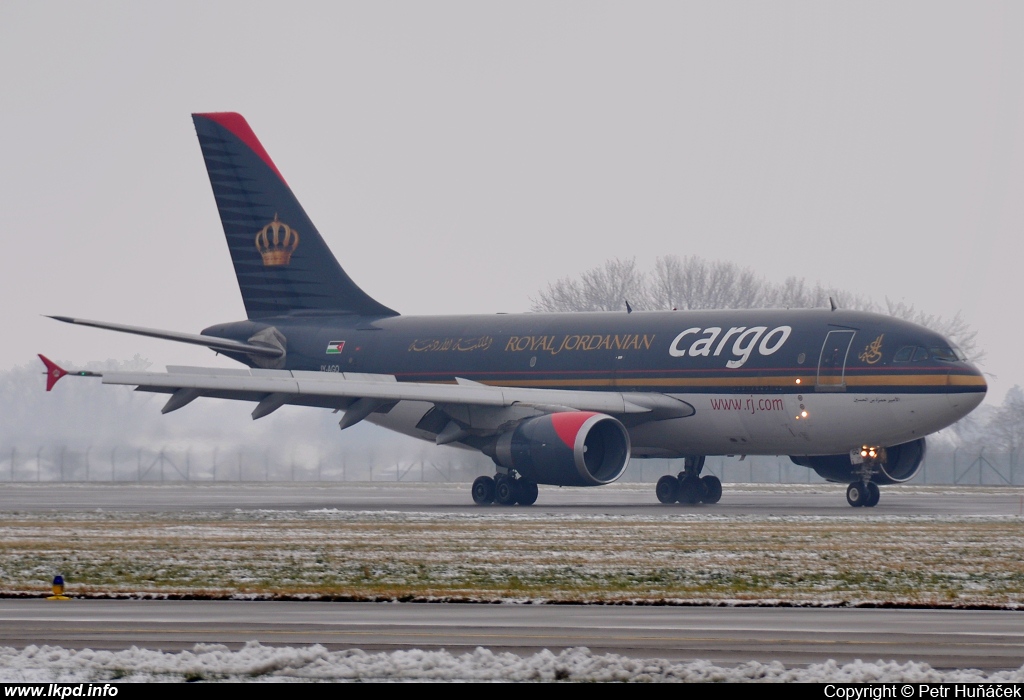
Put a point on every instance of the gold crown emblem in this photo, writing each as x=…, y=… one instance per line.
x=276, y=242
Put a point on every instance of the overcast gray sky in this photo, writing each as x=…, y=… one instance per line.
x=459, y=156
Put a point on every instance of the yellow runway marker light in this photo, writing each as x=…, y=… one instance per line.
x=58, y=589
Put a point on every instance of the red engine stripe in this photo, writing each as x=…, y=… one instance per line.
x=568, y=425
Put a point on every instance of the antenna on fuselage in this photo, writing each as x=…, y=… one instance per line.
x=629, y=309
x=832, y=303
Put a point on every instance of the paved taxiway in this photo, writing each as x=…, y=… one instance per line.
x=942, y=638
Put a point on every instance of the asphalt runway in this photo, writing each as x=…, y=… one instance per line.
x=620, y=499
x=943, y=638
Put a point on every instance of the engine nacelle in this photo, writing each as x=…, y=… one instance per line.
x=576, y=448
x=902, y=463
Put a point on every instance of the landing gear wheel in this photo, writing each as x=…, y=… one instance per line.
x=690, y=490
x=528, y=492
x=505, y=491
x=483, y=491
x=712, y=489
x=874, y=493
x=667, y=489
x=857, y=494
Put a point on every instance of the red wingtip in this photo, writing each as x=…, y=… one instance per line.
x=53, y=372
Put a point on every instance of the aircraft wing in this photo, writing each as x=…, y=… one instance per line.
x=356, y=393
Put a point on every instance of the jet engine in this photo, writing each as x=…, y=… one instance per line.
x=575, y=448
x=901, y=463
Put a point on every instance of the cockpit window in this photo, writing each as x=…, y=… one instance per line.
x=904, y=354
x=948, y=354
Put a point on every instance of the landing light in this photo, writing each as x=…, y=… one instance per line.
x=797, y=381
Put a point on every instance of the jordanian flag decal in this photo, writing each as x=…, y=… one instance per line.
x=335, y=347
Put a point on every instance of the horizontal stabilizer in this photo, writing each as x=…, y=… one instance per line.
x=218, y=344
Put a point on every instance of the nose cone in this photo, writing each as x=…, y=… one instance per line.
x=967, y=389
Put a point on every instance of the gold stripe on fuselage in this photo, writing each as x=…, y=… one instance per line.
x=880, y=380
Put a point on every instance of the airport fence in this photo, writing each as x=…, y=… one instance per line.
x=61, y=463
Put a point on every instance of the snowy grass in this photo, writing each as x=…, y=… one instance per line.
x=519, y=555
x=256, y=663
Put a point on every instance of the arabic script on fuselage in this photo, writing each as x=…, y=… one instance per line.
x=451, y=344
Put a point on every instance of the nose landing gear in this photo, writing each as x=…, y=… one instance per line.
x=865, y=493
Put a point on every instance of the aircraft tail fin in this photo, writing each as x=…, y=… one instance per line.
x=282, y=264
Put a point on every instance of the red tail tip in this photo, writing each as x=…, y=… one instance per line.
x=236, y=124
x=53, y=372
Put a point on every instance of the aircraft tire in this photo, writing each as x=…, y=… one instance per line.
x=667, y=489
x=528, y=492
x=856, y=494
x=690, y=490
x=483, y=491
x=873, y=495
x=505, y=491
x=712, y=489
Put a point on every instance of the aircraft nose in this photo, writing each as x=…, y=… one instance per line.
x=967, y=389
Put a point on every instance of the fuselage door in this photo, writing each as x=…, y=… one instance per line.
x=832, y=364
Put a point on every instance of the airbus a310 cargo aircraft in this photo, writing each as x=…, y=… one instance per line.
x=559, y=399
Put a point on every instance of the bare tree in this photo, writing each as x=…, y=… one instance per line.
x=693, y=283
x=603, y=288
x=1006, y=427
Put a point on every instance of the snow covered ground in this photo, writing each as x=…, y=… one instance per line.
x=669, y=555
x=663, y=556
x=258, y=663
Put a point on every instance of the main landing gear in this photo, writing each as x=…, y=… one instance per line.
x=689, y=486
x=505, y=490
